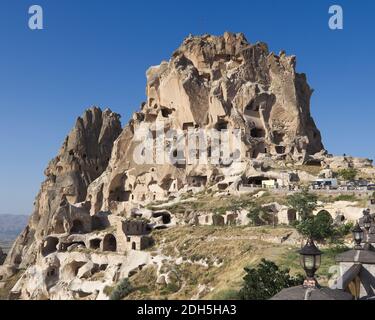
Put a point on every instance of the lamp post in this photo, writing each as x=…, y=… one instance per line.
x=310, y=258
x=357, y=236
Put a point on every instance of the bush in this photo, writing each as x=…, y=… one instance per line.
x=343, y=230
x=121, y=290
x=319, y=227
x=347, y=174
x=266, y=280
x=257, y=214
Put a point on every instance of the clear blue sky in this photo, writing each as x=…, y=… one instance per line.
x=96, y=52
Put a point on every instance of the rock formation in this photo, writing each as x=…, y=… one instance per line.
x=94, y=197
x=83, y=156
x=222, y=83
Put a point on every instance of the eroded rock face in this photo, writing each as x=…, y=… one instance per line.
x=82, y=158
x=222, y=83
x=225, y=80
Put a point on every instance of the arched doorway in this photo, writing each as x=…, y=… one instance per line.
x=109, y=243
x=134, y=246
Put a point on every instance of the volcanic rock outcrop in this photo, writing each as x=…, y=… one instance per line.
x=83, y=157
x=96, y=189
x=222, y=83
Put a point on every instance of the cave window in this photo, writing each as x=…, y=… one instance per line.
x=95, y=243
x=166, y=218
x=109, y=243
x=165, y=112
x=257, y=133
x=49, y=246
x=209, y=152
x=292, y=215
x=128, y=239
x=222, y=125
x=280, y=149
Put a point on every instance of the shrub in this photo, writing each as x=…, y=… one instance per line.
x=266, y=280
x=121, y=290
x=257, y=214
x=343, y=230
x=347, y=174
x=319, y=227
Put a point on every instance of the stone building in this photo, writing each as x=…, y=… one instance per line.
x=137, y=234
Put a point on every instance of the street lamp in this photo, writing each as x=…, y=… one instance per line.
x=310, y=258
x=358, y=236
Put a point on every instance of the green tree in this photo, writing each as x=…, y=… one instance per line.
x=257, y=214
x=266, y=280
x=319, y=227
x=303, y=202
x=121, y=290
x=348, y=174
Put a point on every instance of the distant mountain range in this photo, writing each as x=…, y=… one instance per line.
x=11, y=226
